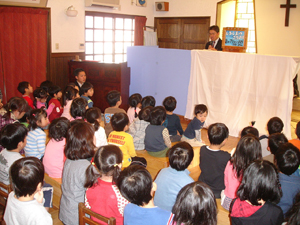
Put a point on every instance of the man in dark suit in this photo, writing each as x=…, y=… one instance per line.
x=80, y=77
x=216, y=42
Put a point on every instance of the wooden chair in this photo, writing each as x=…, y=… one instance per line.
x=83, y=219
x=3, y=194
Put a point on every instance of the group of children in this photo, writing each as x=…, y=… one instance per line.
x=99, y=165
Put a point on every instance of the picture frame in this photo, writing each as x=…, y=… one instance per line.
x=235, y=39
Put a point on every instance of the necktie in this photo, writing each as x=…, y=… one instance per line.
x=213, y=44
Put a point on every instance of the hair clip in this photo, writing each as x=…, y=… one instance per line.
x=93, y=163
x=33, y=114
x=10, y=110
x=115, y=165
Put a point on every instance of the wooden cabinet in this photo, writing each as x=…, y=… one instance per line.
x=105, y=77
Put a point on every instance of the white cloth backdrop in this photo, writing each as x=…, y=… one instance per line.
x=150, y=38
x=239, y=88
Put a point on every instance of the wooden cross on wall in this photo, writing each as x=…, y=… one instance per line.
x=287, y=7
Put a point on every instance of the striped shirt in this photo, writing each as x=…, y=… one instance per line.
x=36, y=143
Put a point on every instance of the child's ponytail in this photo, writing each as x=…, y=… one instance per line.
x=133, y=101
x=92, y=115
x=91, y=175
x=35, y=116
x=15, y=104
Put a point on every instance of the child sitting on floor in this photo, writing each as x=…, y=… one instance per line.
x=138, y=127
x=274, y=141
x=258, y=195
x=135, y=106
x=40, y=98
x=172, y=122
x=69, y=94
x=170, y=180
x=119, y=137
x=102, y=195
x=78, y=108
x=26, y=89
x=54, y=157
x=55, y=93
x=213, y=160
x=25, y=203
x=192, y=134
x=86, y=92
x=36, y=139
x=114, y=100
x=157, y=139
x=135, y=184
x=148, y=101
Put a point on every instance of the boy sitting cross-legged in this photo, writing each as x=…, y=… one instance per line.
x=25, y=202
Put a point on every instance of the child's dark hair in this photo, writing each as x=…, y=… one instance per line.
x=248, y=150
x=195, y=204
x=78, y=107
x=260, y=182
x=298, y=130
x=15, y=104
x=80, y=141
x=26, y=173
x=144, y=114
x=58, y=128
x=157, y=115
x=12, y=134
x=119, y=121
x=275, y=125
x=46, y=85
x=22, y=86
x=170, y=103
x=106, y=162
x=201, y=108
x=35, y=116
x=181, y=155
x=134, y=100
x=54, y=90
x=249, y=130
x=77, y=71
x=293, y=215
x=39, y=93
x=217, y=133
x=287, y=158
x=135, y=184
x=68, y=94
x=275, y=140
x=148, y=101
x=85, y=87
x=92, y=115
x=113, y=97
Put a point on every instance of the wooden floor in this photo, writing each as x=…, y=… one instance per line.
x=223, y=218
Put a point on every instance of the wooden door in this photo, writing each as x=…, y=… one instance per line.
x=182, y=32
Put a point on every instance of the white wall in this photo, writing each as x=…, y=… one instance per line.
x=68, y=32
x=272, y=35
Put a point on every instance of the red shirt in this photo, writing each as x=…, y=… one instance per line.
x=57, y=110
x=29, y=100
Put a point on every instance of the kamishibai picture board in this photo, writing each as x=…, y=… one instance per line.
x=234, y=39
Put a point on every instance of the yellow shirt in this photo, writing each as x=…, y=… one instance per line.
x=125, y=142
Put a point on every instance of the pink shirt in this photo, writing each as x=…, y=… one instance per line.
x=231, y=181
x=66, y=113
x=54, y=158
x=131, y=113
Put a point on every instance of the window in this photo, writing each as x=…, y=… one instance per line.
x=107, y=36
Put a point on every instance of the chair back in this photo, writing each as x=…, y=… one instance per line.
x=4, y=194
x=83, y=219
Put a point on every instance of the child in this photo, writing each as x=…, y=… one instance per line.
x=68, y=96
x=78, y=108
x=258, y=195
x=114, y=100
x=86, y=92
x=287, y=160
x=54, y=157
x=135, y=184
x=102, y=195
x=248, y=150
x=119, y=137
x=26, y=89
x=157, y=139
x=79, y=149
x=148, y=101
x=14, y=110
x=293, y=215
x=170, y=180
x=274, y=141
x=195, y=204
x=274, y=125
x=80, y=77
x=93, y=116
x=138, y=127
x=213, y=160
x=135, y=106
x=55, y=93
x=13, y=139
x=172, y=122
x=249, y=130
x=24, y=204
x=36, y=139
x=296, y=142
x=192, y=134
x=46, y=86
x=40, y=98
